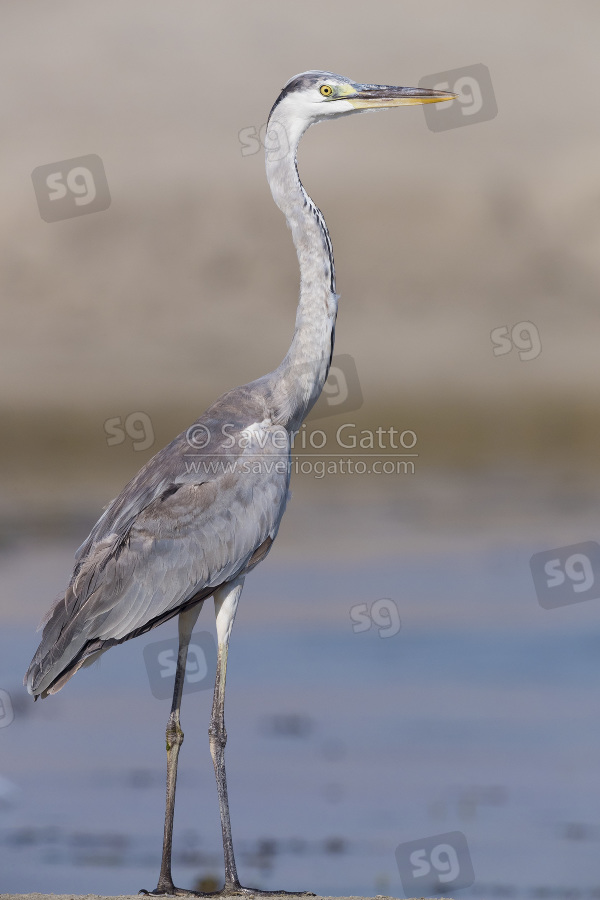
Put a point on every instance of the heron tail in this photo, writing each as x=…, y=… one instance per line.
x=63, y=650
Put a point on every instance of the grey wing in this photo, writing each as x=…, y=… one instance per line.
x=169, y=538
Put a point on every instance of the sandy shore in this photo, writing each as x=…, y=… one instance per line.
x=133, y=897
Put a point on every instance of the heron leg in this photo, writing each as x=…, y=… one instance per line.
x=226, y=602
x=187, y=621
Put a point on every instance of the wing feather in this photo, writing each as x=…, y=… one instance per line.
x=174, y=532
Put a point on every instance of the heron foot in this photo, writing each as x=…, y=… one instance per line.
x=172, y=892
x=236, y=890
x=229, y=890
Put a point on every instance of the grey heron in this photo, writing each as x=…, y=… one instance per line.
x=179, y=533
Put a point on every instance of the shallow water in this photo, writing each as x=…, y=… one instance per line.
x=479, y=715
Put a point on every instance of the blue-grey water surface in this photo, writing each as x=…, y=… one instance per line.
x=480, y=715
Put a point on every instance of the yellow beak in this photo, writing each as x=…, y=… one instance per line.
x=374, y=96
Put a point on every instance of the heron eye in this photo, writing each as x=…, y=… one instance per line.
x=326, y=90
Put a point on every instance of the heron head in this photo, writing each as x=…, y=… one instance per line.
x=316, y=96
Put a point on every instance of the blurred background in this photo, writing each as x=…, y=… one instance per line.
x=396, y=671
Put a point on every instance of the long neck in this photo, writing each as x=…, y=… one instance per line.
x=298, y=381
